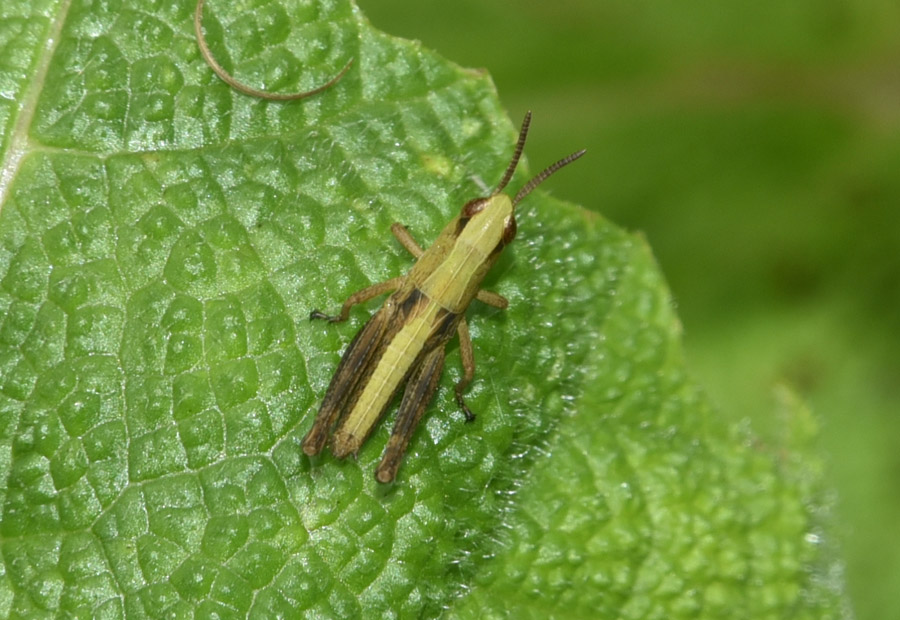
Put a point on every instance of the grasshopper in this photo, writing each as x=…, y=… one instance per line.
x=404, y=340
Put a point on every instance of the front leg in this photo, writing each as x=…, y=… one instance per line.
x=406, y=239
x=492, y=299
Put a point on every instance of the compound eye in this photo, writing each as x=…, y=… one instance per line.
x=473, y=206
x=509, y=231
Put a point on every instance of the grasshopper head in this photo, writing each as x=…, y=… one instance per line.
x=494, y=212
x=498, y=205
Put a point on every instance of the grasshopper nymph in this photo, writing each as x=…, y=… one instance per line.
x=404, y=340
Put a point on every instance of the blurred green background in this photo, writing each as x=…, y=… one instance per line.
x=757, y=145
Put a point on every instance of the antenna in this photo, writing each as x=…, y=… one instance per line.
x=546, y=172
x=520, y=145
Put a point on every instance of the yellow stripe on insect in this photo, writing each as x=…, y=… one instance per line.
x=396, y=361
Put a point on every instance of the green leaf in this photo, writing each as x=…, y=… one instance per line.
x=162, y=241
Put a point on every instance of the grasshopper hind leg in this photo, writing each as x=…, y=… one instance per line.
x=419, y=390
x=345, y=384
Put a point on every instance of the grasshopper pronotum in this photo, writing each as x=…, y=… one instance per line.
x=404, y=340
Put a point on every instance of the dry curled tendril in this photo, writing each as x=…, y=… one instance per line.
x=240, y=86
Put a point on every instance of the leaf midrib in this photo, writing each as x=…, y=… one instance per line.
x=19, y=143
